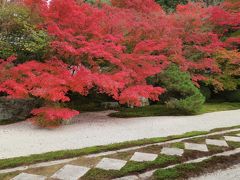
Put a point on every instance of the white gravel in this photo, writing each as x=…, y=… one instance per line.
x=232, y=173
x=97, y=128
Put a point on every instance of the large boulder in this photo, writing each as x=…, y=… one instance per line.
x=16, y=109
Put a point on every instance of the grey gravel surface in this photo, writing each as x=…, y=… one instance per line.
x=97, y=128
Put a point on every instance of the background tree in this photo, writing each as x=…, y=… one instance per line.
x=20, y=35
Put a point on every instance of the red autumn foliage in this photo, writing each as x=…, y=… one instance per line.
x=53, y=115
x=115, y=48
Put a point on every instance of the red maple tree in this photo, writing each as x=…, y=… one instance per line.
x=116, y=48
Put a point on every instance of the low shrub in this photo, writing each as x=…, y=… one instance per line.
x=183, y=94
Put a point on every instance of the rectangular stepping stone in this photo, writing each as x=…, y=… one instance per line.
x=232, y=138
x=26, y=176
x=128, y=178
x=71, y=172
x=196, y=147
x=111, y=164
x=216, y=142
x=172, y=151
x=141, y=157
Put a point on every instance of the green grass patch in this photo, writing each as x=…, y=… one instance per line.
x=185, y=171
x=179, y=145
x=131, y=168
x=224, y=106
x=234, y=144
x=162, y=110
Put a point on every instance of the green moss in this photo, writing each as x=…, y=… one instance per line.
x=131, y=168
x=234, y=144
x=214, y=107
x=178, y=145
x=184, y=171
x=162, y=110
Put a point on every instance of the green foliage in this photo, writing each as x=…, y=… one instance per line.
x=206, y=92
x=162, y=110
x=236, y=34
x=232, y=96
x=19, y=34
x=183, y=95
x=92, y=102
x=94, y=1
x=170, y=5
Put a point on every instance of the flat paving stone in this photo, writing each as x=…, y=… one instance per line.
x=141, y=157
x=172, y=151
x=26, y=176
x=232, y=138
x=196, y=147
x=147, y=175
x=238, y=134
x=216, y=142
x=127, y=178
x=111, y=164
x=71, y=172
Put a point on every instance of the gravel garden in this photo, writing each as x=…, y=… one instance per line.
x=119, y=90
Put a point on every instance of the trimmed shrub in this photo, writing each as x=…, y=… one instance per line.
x=183, y=95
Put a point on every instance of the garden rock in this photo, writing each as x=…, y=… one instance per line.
x=110, y=105
x=16, y=109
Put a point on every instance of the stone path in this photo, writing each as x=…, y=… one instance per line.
x=172, y=151
x=141, y=157
x=232, y=138
x=71, y=172
x=56, y=162
x=74, y=172
x=216, y=142
x=111, y=164
x=97, y=128
x=196, y=147
x=25, y=176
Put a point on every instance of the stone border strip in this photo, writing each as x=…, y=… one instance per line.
x=43, y=164
x=161, y=143
x=148, y=174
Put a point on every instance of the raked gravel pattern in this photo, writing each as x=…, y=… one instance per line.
x=97, y=128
